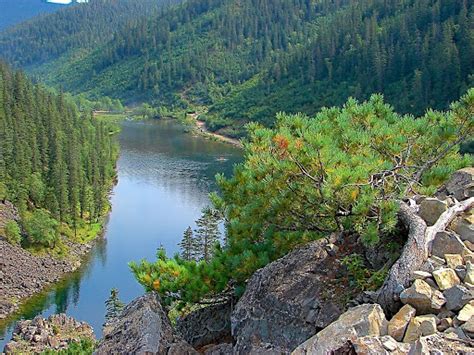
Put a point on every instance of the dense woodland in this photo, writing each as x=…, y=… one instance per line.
x=56, y=164
x=248, y=60
x=79, y=27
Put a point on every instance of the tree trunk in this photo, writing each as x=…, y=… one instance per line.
x=415, y=252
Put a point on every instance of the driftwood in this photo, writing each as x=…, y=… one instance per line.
x=415, y=251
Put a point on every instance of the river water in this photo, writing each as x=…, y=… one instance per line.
x=164, y=177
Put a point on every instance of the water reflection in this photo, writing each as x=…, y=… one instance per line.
x=165, y=176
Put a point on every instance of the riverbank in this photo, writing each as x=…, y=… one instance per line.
x=24, y=273
x=200, y=128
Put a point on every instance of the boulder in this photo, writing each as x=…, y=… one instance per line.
x=286, y=302
x=430, y=209
x=399, y=322
x=468, y=327
x=420, y=275
x=143, y=328
x=466, y=312
x=459, y=185
x=440, y=344
x=379, y=345
x=461, y=271
x=453, y=260
x=437, y=300
x=444, y=324
x=360, y=321
x=457, y=297
x=464, y=227
x=446, y=278
x=420, y=326
x=469, y=278
x=418, y=295
x=447, y=243
x=207, y=325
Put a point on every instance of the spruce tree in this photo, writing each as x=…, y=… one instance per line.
x=207, y=234
x=113, y=306
x=188, y=245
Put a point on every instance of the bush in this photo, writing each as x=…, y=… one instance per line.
x=41, y=228
x=13, y=232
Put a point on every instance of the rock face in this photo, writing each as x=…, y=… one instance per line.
x=208, y=325
x=357, y=322
x=143, y=328
x=57, y=333
x=283, y=304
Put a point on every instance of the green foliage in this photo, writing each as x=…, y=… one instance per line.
x=13, y=232
x=82, y=347
x=207, y=235
x=252, y=59
x=188, y=245
x=347, y=168
x=113, y=306
x=53, y=158
x=361, y=276
x=41, y=228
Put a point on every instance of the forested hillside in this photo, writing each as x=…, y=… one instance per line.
x=56, y=164
x=72, y=30
x=247, y=60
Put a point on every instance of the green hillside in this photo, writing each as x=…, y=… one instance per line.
x=248, y=59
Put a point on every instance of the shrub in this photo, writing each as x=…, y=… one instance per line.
x=13, y=232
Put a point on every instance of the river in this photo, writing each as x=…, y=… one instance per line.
x=164, y=177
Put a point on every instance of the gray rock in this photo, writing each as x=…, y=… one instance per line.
x=464, y=227
x=439, y=344
x=220, y=349
x=208, y=325
x=284, y=302
x=430, y=210
x=459, y=185
x=469, y=278
x=143, y=328
x=457, y=297
x=419, y=296
x=447, y=243
x=461, y=271
x=360, y=321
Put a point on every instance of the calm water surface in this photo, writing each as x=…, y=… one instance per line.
x=165, y=176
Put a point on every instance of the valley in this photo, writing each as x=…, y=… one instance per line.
x=242, y=177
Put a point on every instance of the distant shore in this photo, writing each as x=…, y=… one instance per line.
x=201, y=128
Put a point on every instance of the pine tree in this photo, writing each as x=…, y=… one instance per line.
x=113, y=306
x=189, y=246
x=207, y=234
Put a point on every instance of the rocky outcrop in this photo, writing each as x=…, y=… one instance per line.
x=357, y=322
x=55, y=333
x=143, y=328
x=207, y=325
x=287, y=301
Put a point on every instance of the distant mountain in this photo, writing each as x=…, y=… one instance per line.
x=15, y=11
x=248, y=59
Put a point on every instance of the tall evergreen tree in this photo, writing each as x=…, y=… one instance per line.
x=207, y=234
